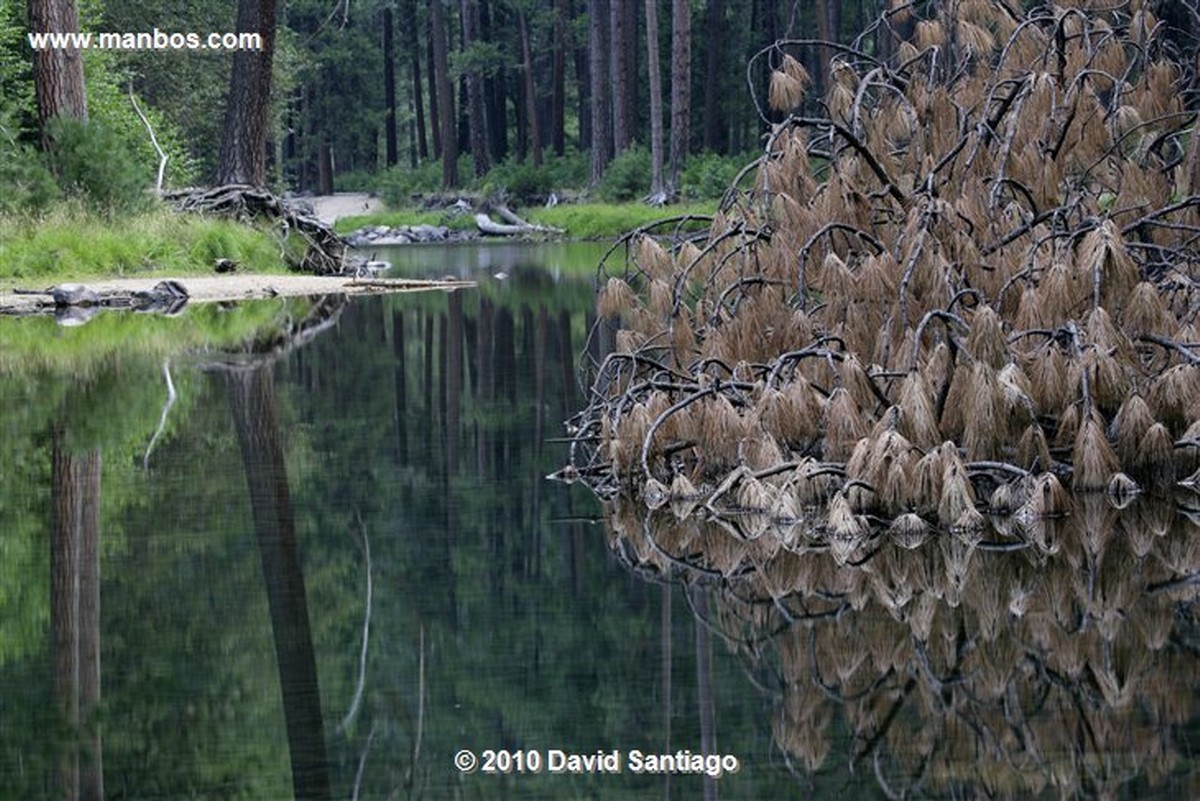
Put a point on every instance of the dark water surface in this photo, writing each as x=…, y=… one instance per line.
x=332, y=564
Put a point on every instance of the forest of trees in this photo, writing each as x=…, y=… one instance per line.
x=349, y=90
x=356, y=88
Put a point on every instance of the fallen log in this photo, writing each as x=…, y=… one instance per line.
x=513, y=225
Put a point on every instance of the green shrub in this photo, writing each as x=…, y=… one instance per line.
x=523, y=181
x=25, y=182
x=355, y=181
x=707, y=176
x=397, y=185
x=627, y=176
x=92, y=163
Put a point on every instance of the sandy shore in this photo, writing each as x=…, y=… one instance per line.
x=329, y=208
x=208, y=289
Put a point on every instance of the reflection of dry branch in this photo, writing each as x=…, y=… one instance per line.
x=1052, y=658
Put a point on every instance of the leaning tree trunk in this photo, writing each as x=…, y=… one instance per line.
x=243, y=158
x=57, y=73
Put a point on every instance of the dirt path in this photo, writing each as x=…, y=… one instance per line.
x=329, y=208
x=208, y=289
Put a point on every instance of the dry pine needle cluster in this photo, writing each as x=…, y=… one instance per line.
x=969, y=284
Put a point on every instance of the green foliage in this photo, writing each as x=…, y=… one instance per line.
x=627, y=176
x=707, y=176
x=397, y=185
x=608, y=220
x=26, y=184
x=395, y=219
x=16, y=77
x=529, y=184
x=521, y=180
x=484, y=58
x=93, y=164
x=110, y=103
x=356, y=181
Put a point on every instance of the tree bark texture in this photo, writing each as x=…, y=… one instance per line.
x=390, y=135
x=243, y=158
x=445, y=94
x=476, y=119
x=657, y=186
x=622, y=89
x=57, y=74
x=601, y=89
x=681, y=90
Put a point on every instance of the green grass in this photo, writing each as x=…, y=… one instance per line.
x=69, y=243
x=395, y=219
x=611, y=220
x=579, y=220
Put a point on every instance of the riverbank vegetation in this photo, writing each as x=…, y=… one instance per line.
x=70, y=241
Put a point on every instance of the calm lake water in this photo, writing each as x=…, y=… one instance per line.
x=307, y=549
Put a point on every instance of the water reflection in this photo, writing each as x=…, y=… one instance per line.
x=1046, y=655
x=377, y=468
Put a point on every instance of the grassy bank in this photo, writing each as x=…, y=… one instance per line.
x=580, y=220
x=69, y=243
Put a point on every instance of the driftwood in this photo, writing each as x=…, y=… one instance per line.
x=325, y=252
x=512, y=225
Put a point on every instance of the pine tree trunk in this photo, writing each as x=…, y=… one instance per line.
x=445, y=95
x=535, y=139
x=57, y=74
x=390, y=135
x=681, y=91
x=601, y=94
x=418, y=97
x=622, y=97
x=713, y=36
x=558, y=102
x=476, y=120
x=243, y=158
x=657, y=188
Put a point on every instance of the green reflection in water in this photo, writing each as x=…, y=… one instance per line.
x=413, y=430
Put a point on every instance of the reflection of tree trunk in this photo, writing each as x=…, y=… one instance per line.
x=665, y=629
x=540, y=333
x=91, y=772
x=452, y=366
x=427, y=388
x=75, y=612
x=485, y=386
x=401, y=382
x=506, y=356
x=704, y=689
x=252, y=400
